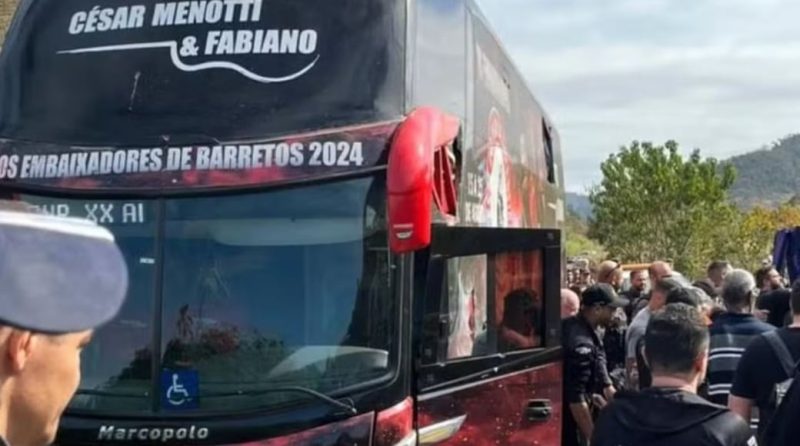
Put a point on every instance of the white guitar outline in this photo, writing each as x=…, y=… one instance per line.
x=179, y=64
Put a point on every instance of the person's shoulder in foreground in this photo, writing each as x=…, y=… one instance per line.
x=670, y=412
x=661, y=416
x=61, y=278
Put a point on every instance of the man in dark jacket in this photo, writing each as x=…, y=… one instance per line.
x=670, y=412
x=587, y=384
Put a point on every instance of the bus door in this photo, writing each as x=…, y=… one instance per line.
x=489, y=369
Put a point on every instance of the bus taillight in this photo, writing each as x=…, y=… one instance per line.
x=395, y=426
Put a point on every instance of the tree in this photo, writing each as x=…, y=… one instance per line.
x=653, y=203
x=578, y=244
x=755, y=233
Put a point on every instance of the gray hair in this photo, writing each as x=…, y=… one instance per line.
x=737, y=288
x=706, y=302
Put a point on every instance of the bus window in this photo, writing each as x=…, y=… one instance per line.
x=509, y=318
x=285, y=288
x=518, y=300
x=291, y=287
x=116, y=367
x=548, y=153
x=467, y=301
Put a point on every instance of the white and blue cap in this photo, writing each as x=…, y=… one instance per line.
x=58, y=275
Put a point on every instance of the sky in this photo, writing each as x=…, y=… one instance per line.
x=722, y=76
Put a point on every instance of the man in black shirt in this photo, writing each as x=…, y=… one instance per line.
x=635, y=292
x=776, y=304
x=586, y=380
x=670, y=412
x=760, y=369
x=613, y=336
x=768, y=279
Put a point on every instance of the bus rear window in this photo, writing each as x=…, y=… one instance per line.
x=132, y=73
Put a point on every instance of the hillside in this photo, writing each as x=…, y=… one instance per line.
x=768, y=176
x=579, y=205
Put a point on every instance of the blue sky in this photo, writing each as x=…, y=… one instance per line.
x=719, y=75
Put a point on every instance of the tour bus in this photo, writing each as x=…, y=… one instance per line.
x=341, y=218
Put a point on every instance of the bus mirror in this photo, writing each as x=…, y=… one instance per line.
x=419, y=172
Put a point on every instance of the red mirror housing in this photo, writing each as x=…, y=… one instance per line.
x=419, y=170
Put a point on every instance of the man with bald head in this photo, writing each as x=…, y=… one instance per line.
x=610, y=272
x=570, y=303
x=658, y=270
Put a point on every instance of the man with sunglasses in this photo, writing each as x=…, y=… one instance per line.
x=587, y=385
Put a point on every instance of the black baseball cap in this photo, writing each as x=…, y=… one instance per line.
x=602, y=294
x=58, y=275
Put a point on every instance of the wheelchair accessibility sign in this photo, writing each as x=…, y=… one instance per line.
x=179, y=389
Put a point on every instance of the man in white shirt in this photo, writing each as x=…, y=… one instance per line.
x=638, y=327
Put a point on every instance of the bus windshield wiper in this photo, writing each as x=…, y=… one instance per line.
x=93, y=392
x=345, y=404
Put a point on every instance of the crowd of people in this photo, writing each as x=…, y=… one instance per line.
x=659, y=359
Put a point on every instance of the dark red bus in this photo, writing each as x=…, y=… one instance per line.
x=341, y=219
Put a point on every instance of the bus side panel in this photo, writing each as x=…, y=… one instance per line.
x=512, y=174
x=496, y=410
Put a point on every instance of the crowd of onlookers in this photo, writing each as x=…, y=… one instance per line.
x=655, y=358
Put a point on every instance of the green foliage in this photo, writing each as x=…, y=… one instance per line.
x=578, y=243
x=753, y=235
x=653, y=203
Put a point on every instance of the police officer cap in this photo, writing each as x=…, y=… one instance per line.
x=602, y=294
x=58, y=275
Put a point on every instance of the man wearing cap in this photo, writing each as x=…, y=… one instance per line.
x=587, y=385
x=610, y=272
x=61, y=278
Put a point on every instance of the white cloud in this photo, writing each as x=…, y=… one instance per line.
x=719, y=75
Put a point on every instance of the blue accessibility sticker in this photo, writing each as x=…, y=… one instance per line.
x=179, y=389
